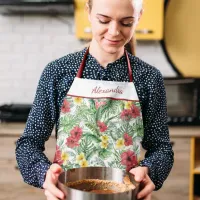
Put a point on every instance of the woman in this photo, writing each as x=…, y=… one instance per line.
x=101, y=99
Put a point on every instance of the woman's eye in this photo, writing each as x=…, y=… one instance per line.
x=127, y=24
x=103, y=22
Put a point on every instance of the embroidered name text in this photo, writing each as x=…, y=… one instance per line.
x=99, y=90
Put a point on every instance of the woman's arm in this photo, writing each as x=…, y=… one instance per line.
x=32, y=162
x=159, y=155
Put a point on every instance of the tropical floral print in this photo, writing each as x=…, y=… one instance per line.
x=129, y=159
x=127, y=139
x=99, y=132
x=102, y=126
x=65, y=107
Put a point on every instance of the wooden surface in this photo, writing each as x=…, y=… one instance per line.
x=12, y=185
x=176, y=187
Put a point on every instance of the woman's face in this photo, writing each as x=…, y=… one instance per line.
x=113, y=23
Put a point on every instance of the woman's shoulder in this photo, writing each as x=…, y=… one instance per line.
x=67, y=61
x=143, y=69
x=64, y=64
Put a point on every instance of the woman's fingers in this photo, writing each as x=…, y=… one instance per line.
x=55, y=191
x=56, y=169
x=146, y=185
x=62, y=188
x=147, y=188
x=49, y=195
x=139, y=173
x=51, y=182
x=148, y=197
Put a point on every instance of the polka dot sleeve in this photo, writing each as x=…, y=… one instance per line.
x=32, y=162
x=159, y=155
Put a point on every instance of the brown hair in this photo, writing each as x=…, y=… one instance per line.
x=131, y=45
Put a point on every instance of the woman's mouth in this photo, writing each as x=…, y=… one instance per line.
x=113, y=42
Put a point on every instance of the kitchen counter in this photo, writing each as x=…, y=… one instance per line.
x=14, y=129
x=179, y=184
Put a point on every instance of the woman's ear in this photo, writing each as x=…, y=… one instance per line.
x=89, y=17
x=140, y=15
x=87, y=8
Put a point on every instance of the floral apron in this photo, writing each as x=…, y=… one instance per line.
x=100, y=124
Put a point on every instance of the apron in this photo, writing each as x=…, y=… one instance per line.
x=100, y=124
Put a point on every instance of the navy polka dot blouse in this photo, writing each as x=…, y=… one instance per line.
x=55, y=82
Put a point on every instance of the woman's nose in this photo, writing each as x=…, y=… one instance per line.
x=113, y=29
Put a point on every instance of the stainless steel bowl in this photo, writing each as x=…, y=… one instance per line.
x=101, y=173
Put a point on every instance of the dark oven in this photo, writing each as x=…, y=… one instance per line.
x=183, y=101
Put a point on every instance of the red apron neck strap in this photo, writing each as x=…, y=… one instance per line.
x=130, y=73
x=82, y=65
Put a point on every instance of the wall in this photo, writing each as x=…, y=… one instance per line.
x=28, y=43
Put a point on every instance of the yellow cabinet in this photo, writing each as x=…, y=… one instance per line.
x=150, y=26
x=182, y=31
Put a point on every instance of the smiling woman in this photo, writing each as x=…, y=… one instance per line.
x=105, y=103
x=120, y=25
x=112, y=30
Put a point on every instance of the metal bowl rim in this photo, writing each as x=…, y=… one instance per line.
x=86, y=192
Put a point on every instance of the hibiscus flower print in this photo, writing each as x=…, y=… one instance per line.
x=65, y=107
x=102, y=126
x=135, y=112
x=127, y=139
x=57, y=158
x=76, y=133
x=126, y=114
x=98, y=104
x=129, y=159
x=72, y=142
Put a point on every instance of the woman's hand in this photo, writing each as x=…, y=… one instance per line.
x=146, y=185
x=50, y=189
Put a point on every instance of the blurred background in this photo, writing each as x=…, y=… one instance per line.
x=35, y=32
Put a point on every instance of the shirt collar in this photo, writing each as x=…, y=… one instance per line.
x=119, y=63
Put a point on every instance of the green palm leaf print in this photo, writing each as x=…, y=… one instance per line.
x=138, y=128
x=110, y=109
x=93, y=138
x=86, y=146
x=99, y=162
x=93, y=128
x=68, y=122
x=104, y=153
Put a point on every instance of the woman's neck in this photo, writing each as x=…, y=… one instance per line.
x=103, y=57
